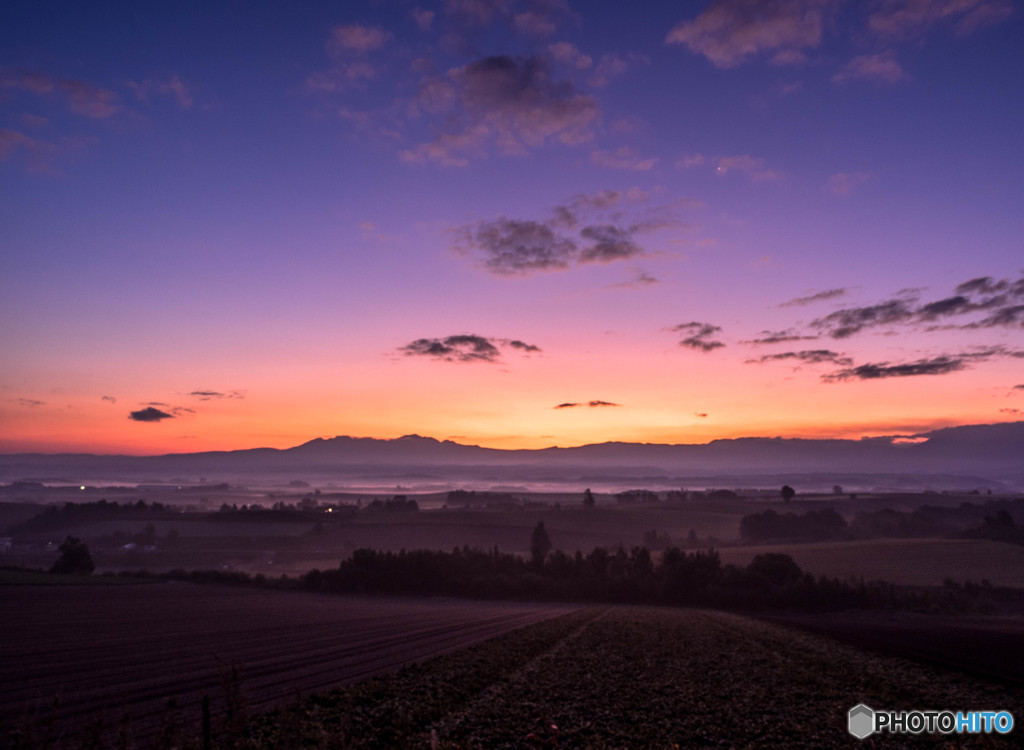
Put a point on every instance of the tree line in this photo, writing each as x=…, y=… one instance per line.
x=676, y=577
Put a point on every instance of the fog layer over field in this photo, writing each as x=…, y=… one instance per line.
x=974, y=456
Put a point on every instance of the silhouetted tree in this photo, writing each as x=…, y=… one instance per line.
x=588, y=498
x=74, y=558
x=147, y=537
x=787, y=492
x=775, y=568
x=540, y=544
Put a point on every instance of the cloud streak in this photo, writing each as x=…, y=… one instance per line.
x=751, y=167
x=911, y=19
x=698, y=336
x=512, y=103
x=730, y=32
x=465, y=348
x=82, y=98
x=816, y=297
x=939, y=365
x=583, y=231
x=209, y=395
x=1002, y=302
x=596, y=404
x=149, y=414
x=808, y=356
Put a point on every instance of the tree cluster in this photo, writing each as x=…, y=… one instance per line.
x=636, y=496
x=814, y=525
x=396, y=504
x=75, y=558
x=472, y=497
x=676, y=577
x=57, y=516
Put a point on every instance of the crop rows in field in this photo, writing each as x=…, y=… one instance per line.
x=108, y=651
x=636, y=678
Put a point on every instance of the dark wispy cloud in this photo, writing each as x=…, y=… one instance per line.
x=779, y=337
x=846, y=322
x=729, y=32
x=596, y=404
x=464, y=348
x=149, y=414
x=607, y=243
x=934, y=366
x=1009, y=410
x=517, y=344
x=208, y=395
x=939, y=365
x=511, y=103
x=810, y=299
x=591, y=228
x=30, y=403
x=1001, y=302
x=701, y=414
x=640, y=280
x=698, y=336
x=109, y=399
x=512, y=247
x=1019, y=387
x=808, y=356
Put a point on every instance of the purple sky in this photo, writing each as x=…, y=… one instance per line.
x=253, y=226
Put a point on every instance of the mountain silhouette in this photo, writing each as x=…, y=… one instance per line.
x=992, y=452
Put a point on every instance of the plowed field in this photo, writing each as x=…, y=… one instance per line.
x=107, y=651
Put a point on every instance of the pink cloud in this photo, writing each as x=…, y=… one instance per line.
x=842, y=183
x=568, y=54
x=903, y=19
x=882, y=67
x=423, y=19
x=356, y=39
x=12, y=139
x=730, y=31
x=82, y=98
x=753, y=167
x=622, y=158
x=173, y=86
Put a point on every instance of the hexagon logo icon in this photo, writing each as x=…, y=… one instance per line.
x=861, y=721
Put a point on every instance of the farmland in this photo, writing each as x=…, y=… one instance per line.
x=634, y=677
x=605, y=676
x=108, y=650
x=190, y=533
x=911, y=562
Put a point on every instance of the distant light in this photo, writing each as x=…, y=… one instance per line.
x=330, y=510
x=82, y=487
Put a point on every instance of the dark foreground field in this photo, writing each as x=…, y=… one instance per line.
x=105, y=651
x=608, y=677
x=631, y=677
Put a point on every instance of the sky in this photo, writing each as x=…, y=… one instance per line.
x=510, y=223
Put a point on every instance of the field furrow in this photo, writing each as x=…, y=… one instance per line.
x=177, y=641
